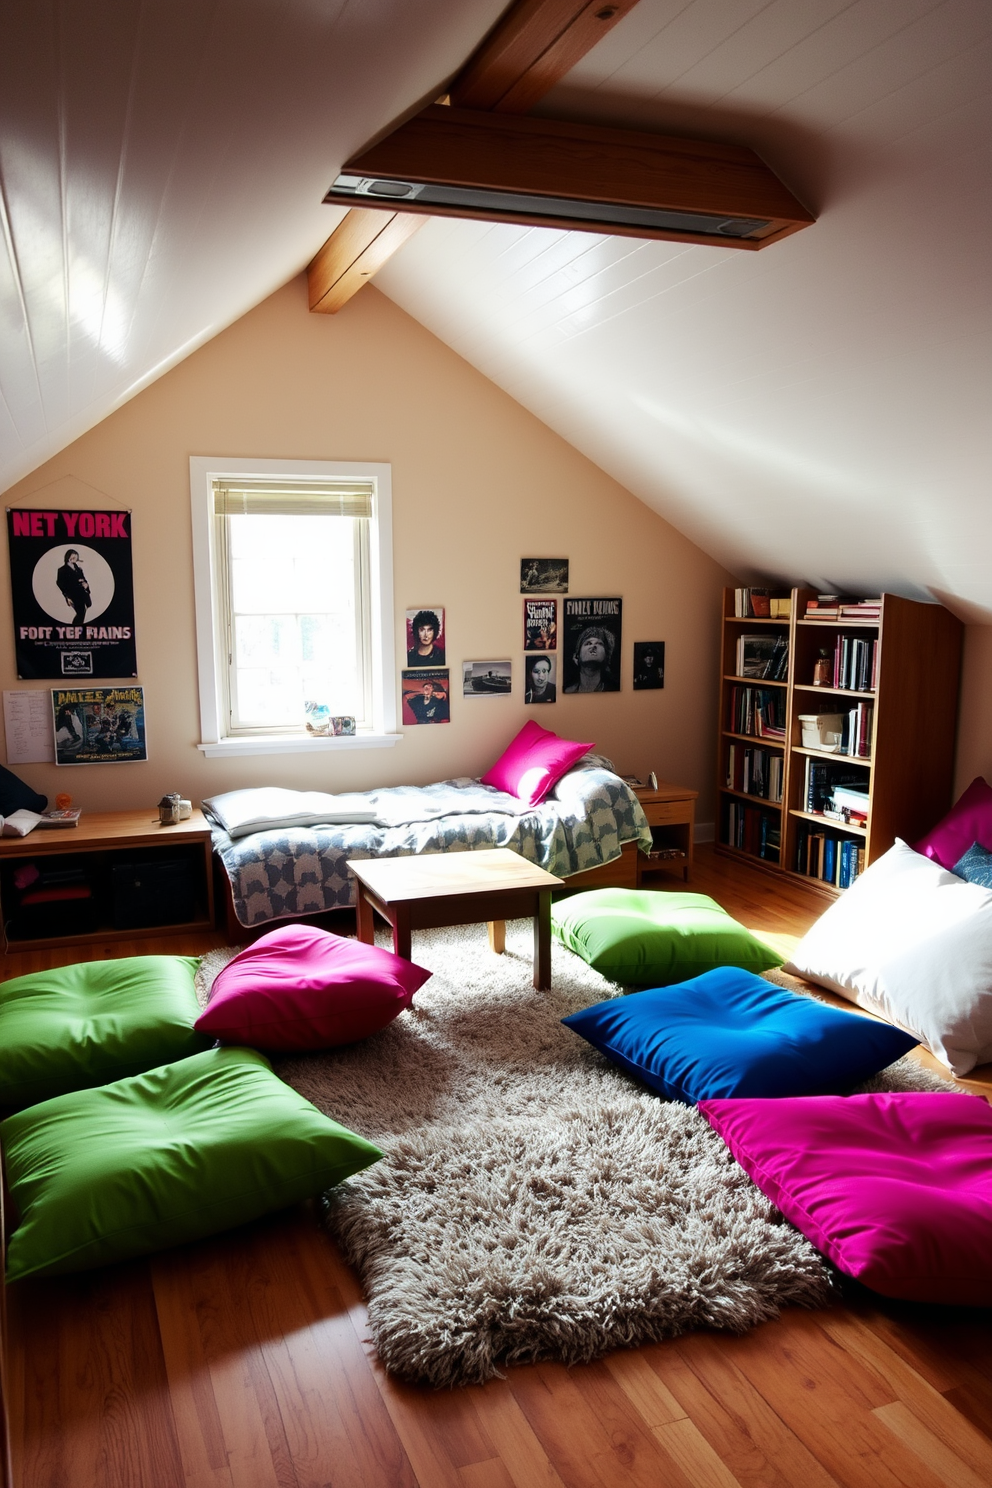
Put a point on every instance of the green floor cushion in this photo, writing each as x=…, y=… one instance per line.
x=94, y=1022
x=646, y=938
x=177, y=1153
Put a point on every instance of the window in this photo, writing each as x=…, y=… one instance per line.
x=293, y=574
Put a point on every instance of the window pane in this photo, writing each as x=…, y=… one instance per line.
x=296, y=624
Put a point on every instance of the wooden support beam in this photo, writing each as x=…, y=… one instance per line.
x=532, y=47
x=359, y=245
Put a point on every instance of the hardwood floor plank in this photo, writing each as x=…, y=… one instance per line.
x=828, y=1401
x=946, y=1465
x=491, y=1474
x=738, y=1423
x=644, y=1388
x=686, y=1445
x=931, y=1409
x=524, y=1458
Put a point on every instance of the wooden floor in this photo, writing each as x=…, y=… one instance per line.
x=243, y=1361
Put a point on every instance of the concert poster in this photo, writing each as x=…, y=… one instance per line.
x=99, y=725
x=590, y=646
x=540, y=624
x=72, y=593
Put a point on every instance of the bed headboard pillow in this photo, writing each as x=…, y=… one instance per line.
x=969, y=820
x=911, y=942
x=532, y=764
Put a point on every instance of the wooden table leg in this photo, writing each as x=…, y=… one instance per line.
x=401, y=930
x=542, y=941
x=497, y=936
x=365, y=917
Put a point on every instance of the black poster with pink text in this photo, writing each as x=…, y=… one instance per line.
x=72, y=592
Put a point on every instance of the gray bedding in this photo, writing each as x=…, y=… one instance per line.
x=297, y=870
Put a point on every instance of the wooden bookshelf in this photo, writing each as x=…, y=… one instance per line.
x=908, y=767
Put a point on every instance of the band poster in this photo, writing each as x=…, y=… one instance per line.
x=540, y=624
x=72, y=593
x=99, y=725
x=590, y=651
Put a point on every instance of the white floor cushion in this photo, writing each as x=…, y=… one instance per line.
x=911, y=942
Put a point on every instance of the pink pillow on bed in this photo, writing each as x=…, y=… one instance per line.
x=533, y=763
x=968, y=821
x=303, y=988
x=893, y=1188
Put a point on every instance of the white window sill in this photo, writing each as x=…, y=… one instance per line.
x=299, y=744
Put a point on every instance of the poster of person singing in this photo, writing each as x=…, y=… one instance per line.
x=72, y=593
x=591, y=634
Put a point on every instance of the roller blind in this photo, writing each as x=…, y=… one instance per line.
x=275, y=498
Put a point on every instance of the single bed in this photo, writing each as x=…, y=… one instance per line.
x=591, y=825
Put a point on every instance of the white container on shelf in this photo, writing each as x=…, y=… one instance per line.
x=822, y=731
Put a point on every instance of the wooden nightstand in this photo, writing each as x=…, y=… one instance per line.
x=671, y=813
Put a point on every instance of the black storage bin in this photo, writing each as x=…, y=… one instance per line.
x=47, y=921
x=159, y=892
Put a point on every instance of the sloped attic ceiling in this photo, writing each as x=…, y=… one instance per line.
x=819, y=410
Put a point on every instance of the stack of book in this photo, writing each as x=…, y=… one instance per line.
x=824, y=779
x=765, y=656
x=760, y=605
x=848, y=804
x=754, y=772
x=753, y=831
x=833, y=607
x=855, y=663
x=834, y=860
x=759, y=711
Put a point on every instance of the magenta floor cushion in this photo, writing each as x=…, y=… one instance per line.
x=303, y=988
x=895, y=1189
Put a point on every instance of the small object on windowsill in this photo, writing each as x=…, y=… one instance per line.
x=61, y=816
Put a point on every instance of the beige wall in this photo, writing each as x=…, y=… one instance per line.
x=478, y=483
x=975, y=720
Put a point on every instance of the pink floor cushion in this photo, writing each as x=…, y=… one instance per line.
x=969, y=820
x=303, y=988
x=895, y=1189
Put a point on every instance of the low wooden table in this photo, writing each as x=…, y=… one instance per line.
x=462, y=888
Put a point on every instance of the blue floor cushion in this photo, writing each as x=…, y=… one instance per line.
x=729, y=1033
x=177, y=1153
x=647, y=938
x=94, y=1022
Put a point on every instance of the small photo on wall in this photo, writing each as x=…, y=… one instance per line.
x=541, y=679
x=544, y=576
x=540, y=624
x=649, y=665
x=425, y=637
x=590, y=647
x=486, y=678
x=425, y=697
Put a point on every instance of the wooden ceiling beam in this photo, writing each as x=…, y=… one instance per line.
x=530, y=49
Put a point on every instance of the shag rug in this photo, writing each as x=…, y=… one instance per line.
x=534, y=1202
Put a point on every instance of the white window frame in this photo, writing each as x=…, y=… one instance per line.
x=203, y=471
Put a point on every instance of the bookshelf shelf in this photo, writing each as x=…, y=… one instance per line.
x=908, y=723
x=747, y=796
x=829, y=821
x=851, y=759
x=821, y=691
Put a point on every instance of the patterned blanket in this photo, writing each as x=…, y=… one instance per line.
x=301, y=870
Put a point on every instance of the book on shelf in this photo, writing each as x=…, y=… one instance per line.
x=754, y=772
x=855, y=663
x=781, y=609
x=759, y=711
x=823, y=778
x=836, y=860
x=764, y=656
x=760, y=604
x=753, y=831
